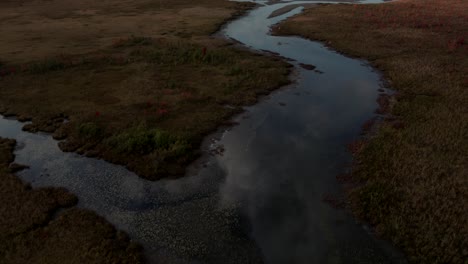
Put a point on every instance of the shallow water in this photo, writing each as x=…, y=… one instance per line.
x=269, y=183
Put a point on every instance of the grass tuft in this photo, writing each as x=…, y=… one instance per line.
x=132, y=41
x=143, y=140
x=90, y=130
x=47, y=65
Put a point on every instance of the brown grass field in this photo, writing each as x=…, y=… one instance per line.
x=412, y=173
x=140, y=81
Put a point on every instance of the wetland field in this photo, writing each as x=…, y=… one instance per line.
x=215, y=131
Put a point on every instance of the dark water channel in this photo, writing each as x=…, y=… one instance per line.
x=262, y=200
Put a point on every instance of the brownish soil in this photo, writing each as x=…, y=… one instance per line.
x=141, y=82
x=43, y=226
x=411, y=176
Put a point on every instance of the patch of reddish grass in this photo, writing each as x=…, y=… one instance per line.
x=356, y=146
x=368, y=125
x=384, y=104
x=428, y=15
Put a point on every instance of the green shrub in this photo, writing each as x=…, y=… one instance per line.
x=89, y=130
x=141, y=140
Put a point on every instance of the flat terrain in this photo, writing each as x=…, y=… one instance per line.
x=38, y=29
x=43, y=226
x=411, y=175
x=141, y=82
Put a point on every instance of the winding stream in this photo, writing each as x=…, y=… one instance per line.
x=262, y=200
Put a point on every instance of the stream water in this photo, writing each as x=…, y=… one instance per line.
x=262, y=200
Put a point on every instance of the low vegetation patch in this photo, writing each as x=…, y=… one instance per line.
x=89, y=130
x=413, y=171
x=143, y=102
x=143, y=140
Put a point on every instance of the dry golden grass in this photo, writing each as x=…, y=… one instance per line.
x=415, y=169
x=33, y=231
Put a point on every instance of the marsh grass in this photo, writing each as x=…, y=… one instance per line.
x=132, y=41
x=143, y=140
x=413, y=171
x=176, y=88
x=235, y=70
x=183, y=52
x=90, y=130
x=46, y=65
